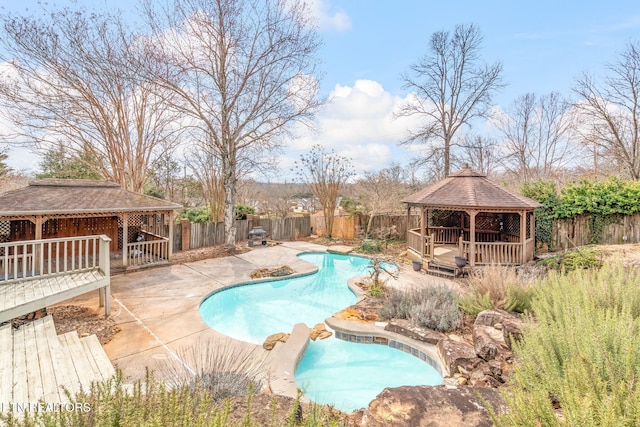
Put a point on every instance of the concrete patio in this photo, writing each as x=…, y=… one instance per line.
x=157, y=309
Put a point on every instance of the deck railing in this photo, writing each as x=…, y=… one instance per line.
x=148, y=251
x=31, y=258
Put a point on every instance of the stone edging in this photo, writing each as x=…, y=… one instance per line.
x=282, y=379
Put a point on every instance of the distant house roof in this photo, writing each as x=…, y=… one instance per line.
x=77, y=196
x=468, y=189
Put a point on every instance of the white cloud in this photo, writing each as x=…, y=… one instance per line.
x=358, y=123
x=328, y=16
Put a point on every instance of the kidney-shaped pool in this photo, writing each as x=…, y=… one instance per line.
x=344, y=374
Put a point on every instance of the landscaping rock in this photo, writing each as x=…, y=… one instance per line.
x=406, y=328
x=511, y=331
x=484, y=343
x=319, y=331
x=432, y=406
x=455, y=353
x=271, y=341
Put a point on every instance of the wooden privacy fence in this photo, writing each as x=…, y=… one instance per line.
x=349, y=226
x=200, y=235
x=577, y=231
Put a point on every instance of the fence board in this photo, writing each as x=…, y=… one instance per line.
x=568, y=233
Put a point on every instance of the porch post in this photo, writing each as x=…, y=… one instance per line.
x=472, y=236
x=171, y=220
x=125, y=238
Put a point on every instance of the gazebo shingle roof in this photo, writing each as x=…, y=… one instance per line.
x=467, y=188
x=74, y=196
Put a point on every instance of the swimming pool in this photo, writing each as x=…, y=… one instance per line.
x=254, y=311
x=348, y=375
x=345, y=374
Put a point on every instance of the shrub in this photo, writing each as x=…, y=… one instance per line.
x=437, y=310
x=242, y=211
x=434, y=307
x=151, y=403
x=370, y=246
x=583, y=258
x=578, y=363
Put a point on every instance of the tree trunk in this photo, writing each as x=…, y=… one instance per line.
x=230, y=181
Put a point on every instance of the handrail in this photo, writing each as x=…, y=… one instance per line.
x=30, y=258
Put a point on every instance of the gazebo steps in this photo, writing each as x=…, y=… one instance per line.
x=37, y=364
x=440, y=269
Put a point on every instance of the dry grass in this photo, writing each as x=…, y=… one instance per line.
x=494, y=281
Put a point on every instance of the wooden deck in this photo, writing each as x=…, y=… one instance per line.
x=24, y=297
x=38, y=273
x=38, y=365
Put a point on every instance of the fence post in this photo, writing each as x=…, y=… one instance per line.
x=185, y=224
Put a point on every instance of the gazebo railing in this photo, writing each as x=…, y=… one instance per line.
x=443, y=235
x=492, y=253
x=422, y=246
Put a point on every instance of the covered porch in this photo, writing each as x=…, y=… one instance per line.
x=468, y=216
x=140, y=227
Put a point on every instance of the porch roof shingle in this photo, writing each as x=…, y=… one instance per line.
x=77, y=196
x=467, y=188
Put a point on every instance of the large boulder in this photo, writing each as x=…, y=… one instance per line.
x=487, y=342
x=457, y=354
x=440, y=406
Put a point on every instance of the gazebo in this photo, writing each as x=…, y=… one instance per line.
x=140, y=226
x=469, y=216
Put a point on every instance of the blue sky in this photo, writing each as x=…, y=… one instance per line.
x=542, y=45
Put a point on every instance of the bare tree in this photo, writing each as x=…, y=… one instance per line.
x=325, y=173
x=610, y=112
x=244, y=72
x=381, y=191
x=480, y=153
x=205, y=166
x=76, y=80
x=452, y=88
x=537, y=135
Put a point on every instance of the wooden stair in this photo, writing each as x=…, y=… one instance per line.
x=37, y=364
x=442, y=269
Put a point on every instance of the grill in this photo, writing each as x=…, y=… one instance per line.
x=257, y=234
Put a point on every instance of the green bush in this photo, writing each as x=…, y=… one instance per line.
x=578, y=363
x=371, y=246
x=583, y=258
x=242, y=211
x=199, y=215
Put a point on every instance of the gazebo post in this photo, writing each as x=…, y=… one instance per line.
x=472, y=236
x=423, y=231
x=523, y=235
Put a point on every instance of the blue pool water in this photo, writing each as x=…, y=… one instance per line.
x=344, y=374
x=253, y=312
x=349, y=375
